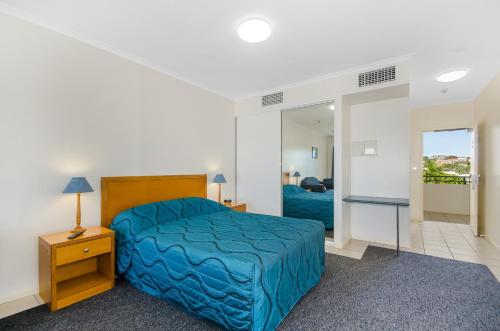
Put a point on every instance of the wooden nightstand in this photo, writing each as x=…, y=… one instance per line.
x=71, y=270
x=237, y=206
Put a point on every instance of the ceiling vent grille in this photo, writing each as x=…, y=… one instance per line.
x=378, y=76
x=272, y=99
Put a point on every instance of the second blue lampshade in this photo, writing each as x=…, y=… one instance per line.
x=296, y=174
x=78, y=185
x=219, y=179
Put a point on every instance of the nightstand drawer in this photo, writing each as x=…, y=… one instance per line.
x=71, y=253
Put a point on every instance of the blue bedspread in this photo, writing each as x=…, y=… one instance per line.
x=300, y=203
x=243, y=271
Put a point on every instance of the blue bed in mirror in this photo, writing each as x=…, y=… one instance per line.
x=300, y=203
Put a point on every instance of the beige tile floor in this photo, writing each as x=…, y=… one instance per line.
x=446, y=240
x=441, y=239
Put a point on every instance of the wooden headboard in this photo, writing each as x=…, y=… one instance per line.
x=121, y=193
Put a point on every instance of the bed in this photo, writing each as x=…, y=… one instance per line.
x=243, y=271
x=299, y=203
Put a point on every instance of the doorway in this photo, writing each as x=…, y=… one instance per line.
x=447, y=175
x=307, y=155
x=449, y=193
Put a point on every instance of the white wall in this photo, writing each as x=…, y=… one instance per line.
x=297, y=155
x=386, y=174
x=258, y=162
x=447, y=198
x=450, y=116
x=68, y=109
x=487, y=115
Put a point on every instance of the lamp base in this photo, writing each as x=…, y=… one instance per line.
x=77, y=228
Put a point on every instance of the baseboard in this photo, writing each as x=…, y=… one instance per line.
x=401, y=245
x=491, y=241
x=18, y=296
x=330, y=243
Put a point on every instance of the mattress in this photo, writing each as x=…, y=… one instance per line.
x=300, y=203
x=243, y=271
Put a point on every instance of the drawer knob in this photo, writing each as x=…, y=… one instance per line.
x=85, y=250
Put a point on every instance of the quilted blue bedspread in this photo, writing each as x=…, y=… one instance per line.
x=243, y=271
x=300, y=203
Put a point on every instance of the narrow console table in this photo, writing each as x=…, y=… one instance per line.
x=382, y=201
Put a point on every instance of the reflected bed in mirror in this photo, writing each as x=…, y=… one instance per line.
x=301, y=203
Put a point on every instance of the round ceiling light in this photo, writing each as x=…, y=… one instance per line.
x=254, y=30
x=451, y=76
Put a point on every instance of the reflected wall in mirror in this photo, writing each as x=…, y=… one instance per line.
x=307, y=163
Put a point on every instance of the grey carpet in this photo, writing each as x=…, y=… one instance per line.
x=378, y=292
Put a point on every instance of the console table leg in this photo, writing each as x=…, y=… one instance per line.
x=397, y=230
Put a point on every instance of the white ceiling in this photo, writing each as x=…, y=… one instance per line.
x=196, y=40
x=318, y=118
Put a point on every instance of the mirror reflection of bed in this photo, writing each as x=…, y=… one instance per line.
x=307, y=164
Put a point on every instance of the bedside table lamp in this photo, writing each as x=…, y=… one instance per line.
x=219, y=179
x=296, y=174
x=78, y=185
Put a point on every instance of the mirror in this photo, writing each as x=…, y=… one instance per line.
x=307, y=163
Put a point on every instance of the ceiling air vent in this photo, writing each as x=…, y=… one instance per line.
x=377, y=76
x=272, y=99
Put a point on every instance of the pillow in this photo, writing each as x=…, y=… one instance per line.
x=320, y=188
x=328, y=182
x=309, y=181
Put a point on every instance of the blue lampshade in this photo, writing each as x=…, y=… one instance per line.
x=78, y=185
x=219, y=179
x=296, y=174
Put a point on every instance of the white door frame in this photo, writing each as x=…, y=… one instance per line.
x=327, y=239
x=474, y=182
x=421, y=170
